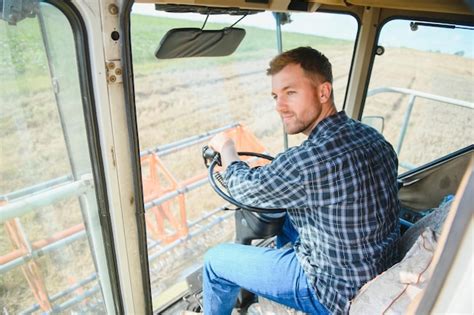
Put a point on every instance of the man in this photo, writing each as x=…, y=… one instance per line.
x=340, y=191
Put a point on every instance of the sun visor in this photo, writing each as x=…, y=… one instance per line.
x=195, y=42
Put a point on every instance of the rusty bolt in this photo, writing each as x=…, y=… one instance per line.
x=118, y=71
x=113, y=9
x=111, y=65
x=112, y=78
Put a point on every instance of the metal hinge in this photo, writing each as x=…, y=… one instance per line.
x=114, y=71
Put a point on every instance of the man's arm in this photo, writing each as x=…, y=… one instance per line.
x=276, y=185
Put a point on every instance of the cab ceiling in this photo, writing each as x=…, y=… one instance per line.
x=442, y=6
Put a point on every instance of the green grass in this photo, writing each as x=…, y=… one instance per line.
x=22, y=48
x=23, y=58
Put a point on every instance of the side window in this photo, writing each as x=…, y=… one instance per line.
x=332, y=34
x=52, y=256
x=422, y=88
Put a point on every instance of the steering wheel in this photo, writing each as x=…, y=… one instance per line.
x=213, y=158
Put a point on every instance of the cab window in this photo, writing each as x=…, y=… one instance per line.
x=421, y=88
x=52, y=251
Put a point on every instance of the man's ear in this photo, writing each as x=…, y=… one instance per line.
x=325, y=90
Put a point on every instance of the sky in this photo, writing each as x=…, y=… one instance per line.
x=429, y=38
x=395, y=34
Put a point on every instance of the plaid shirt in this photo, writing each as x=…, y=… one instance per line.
x=340, y=189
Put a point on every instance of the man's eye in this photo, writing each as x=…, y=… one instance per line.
x=291, y=92
x=274, y=97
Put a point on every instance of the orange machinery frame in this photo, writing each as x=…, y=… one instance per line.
x=161, y=215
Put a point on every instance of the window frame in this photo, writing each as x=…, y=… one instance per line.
x=89, y=109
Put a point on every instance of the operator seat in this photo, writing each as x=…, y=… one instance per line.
x=396, y=288
x=433, y=222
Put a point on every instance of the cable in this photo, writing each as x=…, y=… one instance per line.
x=238, y=20
x=205, y=21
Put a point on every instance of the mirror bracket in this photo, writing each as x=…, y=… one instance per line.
x=13, y=11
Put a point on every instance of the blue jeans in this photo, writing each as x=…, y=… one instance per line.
x=268, y=272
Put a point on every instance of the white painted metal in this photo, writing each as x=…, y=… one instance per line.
x=413, y=94
x=101, y=18
x=361, y=62
x=21, y=206
x=428, y=96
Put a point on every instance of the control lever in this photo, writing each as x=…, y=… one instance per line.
x=210, y=155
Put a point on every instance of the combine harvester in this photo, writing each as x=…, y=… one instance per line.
x=93, y=222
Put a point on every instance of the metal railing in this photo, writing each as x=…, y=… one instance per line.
x=47, y=193
x=413, y=94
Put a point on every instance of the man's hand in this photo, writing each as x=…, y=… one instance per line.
x=223, y=144
x=219, y=141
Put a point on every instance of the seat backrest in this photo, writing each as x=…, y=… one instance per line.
x=434, y=220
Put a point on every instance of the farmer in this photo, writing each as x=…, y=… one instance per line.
x=340, y=191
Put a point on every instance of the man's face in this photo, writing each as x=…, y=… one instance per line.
x=296, y=98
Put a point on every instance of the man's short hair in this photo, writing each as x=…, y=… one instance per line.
x=313, y=62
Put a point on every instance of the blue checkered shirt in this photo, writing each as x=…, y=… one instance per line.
x=340, y=189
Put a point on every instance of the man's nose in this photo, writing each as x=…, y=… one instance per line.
x=280, y=105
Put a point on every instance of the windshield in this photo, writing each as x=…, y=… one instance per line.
x=182, y=103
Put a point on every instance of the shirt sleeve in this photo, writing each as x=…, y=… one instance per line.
x=276, y=185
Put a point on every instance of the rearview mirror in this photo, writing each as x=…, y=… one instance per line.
x=195, y=42
x=376, y=122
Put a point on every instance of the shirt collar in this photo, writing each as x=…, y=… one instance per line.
x=328, y=123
